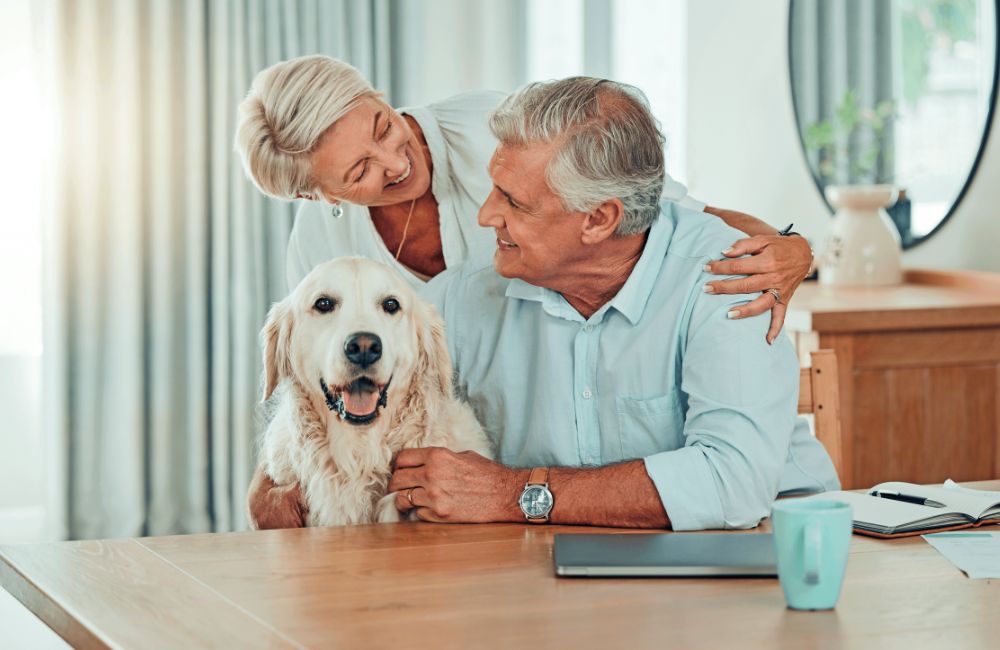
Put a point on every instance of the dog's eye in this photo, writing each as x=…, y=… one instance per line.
x=390, y=305
x=324, y=305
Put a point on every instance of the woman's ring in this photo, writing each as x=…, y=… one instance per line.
x=776, y=294
x=409, y=496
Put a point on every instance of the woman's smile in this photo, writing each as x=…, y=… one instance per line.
x=401, y=179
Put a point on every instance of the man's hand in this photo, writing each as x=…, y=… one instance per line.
x=449, y=487
x=275, y=506
x=777, y=262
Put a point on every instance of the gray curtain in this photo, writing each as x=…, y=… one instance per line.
x=837, y=45
x=163, y=258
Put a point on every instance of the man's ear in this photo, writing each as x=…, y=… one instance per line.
x=602, y=222
x=276, y=342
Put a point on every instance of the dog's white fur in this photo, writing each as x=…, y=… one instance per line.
x=343, y=469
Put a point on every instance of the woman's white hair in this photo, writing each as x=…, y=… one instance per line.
x=609, y=144
x=289, y=106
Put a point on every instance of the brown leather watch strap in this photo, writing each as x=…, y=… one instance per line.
x=538, y=476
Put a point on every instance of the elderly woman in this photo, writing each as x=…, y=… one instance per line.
x=404, y=188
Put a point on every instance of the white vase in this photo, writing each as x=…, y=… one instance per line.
x=862, y=247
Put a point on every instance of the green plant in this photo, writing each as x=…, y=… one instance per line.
x=852, y=146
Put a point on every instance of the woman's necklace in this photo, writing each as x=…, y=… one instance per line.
x=406, y=229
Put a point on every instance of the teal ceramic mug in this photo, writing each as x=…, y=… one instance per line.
x=811, y=539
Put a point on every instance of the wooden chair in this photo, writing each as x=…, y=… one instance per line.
x=819, y=394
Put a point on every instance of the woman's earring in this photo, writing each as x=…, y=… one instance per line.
x=337, y=211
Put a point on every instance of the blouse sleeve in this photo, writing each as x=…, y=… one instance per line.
x=309, y=244
x=464, y=124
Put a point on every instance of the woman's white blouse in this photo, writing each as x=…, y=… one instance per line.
x=461, y=145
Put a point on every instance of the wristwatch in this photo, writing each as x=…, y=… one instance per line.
x=536, y=501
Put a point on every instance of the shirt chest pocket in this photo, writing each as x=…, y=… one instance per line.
x=649, y=426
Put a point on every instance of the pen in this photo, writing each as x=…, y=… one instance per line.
x=896, y=496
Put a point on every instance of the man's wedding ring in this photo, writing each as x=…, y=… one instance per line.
x=409, y=496
x=776, y=294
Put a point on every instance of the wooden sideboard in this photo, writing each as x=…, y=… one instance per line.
x=919, y=374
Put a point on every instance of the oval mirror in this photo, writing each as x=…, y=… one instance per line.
x=895, y=91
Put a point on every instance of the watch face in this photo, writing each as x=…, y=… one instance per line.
x=536, y=501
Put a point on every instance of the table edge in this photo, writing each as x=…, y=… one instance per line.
x=45, y=608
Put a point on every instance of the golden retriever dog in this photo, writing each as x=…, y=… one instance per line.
x=360, y=370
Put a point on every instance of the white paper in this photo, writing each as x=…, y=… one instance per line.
x=974, y=503
x=952, y=485
x=975, y=553
x=883, y=512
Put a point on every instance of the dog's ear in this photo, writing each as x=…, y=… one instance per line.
x=276, y=341
x=433, y=360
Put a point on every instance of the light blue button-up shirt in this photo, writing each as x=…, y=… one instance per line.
x=658, y=373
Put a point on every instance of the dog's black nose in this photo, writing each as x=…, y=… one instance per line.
x=363, y=348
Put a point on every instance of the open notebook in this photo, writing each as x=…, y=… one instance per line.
x=879, y=517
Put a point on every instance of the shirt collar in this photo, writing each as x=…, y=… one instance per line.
x=518, y=288
x=631, y=298
x=553, y=302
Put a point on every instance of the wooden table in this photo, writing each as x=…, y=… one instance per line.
x=422, y=585
x=919, y=368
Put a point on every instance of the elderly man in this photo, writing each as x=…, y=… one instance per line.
x=615, y=387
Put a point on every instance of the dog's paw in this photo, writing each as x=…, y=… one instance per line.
x=385, y=511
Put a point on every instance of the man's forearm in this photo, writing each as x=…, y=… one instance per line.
x=620, y=495
x=742, y=221
x=447, y=486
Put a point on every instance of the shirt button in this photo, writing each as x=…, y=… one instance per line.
x=587, y=328
x=587, y=394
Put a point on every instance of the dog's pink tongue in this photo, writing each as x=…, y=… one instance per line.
x=360, y=402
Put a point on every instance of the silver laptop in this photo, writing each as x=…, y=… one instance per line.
x=665, y=554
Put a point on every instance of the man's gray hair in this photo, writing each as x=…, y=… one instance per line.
x=609, y=144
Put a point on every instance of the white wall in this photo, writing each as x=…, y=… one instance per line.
x=461, y=45
x=744, y=152
x=22, y=470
